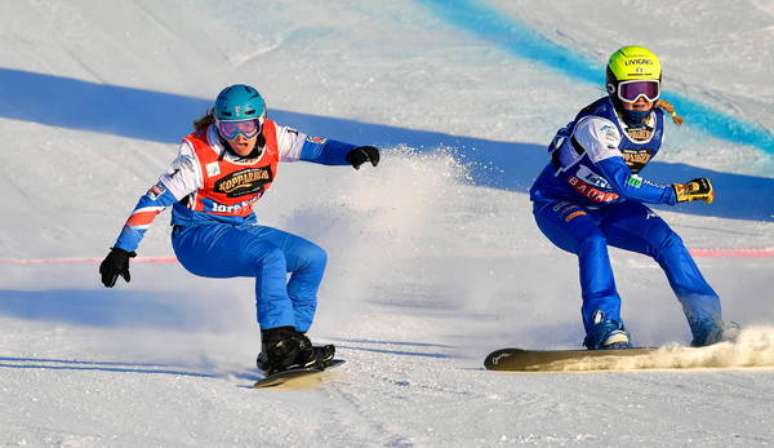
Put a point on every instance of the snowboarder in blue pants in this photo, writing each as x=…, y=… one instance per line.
x=591, y=195
x=223, y=167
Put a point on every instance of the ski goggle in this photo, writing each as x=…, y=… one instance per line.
x=630, y=91
x=231, y=129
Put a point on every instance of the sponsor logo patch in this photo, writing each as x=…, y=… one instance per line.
x=244, y=182
x=635, y=159
x=316, y=140
x=638, y=61
x=213, y=169
x=609, y=132
x=634, y=181
x=574, y=215
x=639, y=133
x=569, y=211
x=590, y=192
x=590, y=177
x=232, y=209
x=156, y=191
x=631, y=156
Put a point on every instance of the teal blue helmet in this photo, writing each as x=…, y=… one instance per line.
x=239, y=102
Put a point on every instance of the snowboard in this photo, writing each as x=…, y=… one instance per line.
x=288, y=376
x=520, y=360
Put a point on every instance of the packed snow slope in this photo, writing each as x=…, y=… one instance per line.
x=434, y=256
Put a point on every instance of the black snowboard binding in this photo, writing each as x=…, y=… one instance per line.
x=284, y=348
x=325, y=353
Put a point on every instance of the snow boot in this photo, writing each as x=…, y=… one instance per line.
x=712, y=331
x=283, y=348
x=607, y=335
x=325, y=353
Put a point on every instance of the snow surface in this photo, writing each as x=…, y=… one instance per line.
x=434, y=257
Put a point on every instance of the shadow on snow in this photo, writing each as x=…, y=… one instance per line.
x=164, y=117
x=98, y=366
x=124, y=309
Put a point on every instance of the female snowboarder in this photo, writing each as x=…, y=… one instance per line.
x=591, y=195
x=223, y=167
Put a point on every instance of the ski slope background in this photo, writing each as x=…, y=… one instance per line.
x=434, y=256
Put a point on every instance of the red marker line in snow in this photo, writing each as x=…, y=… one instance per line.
x=83, y=260
x=731, y=252
x=718, y=253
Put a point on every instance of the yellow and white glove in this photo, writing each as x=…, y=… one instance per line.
x=695, y=190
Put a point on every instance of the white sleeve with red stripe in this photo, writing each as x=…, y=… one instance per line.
x=183, y=178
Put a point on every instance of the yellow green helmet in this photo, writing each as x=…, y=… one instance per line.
x=633, y=71
x=633, y=63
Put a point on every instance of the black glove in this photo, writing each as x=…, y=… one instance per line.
x=695, y=190
x=363, y=154
x=116, y=263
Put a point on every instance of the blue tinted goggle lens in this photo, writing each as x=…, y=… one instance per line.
x=629, y=91
x=231, y=129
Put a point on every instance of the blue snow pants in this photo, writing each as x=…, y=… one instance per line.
x=247, y=250
x=631, y=226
